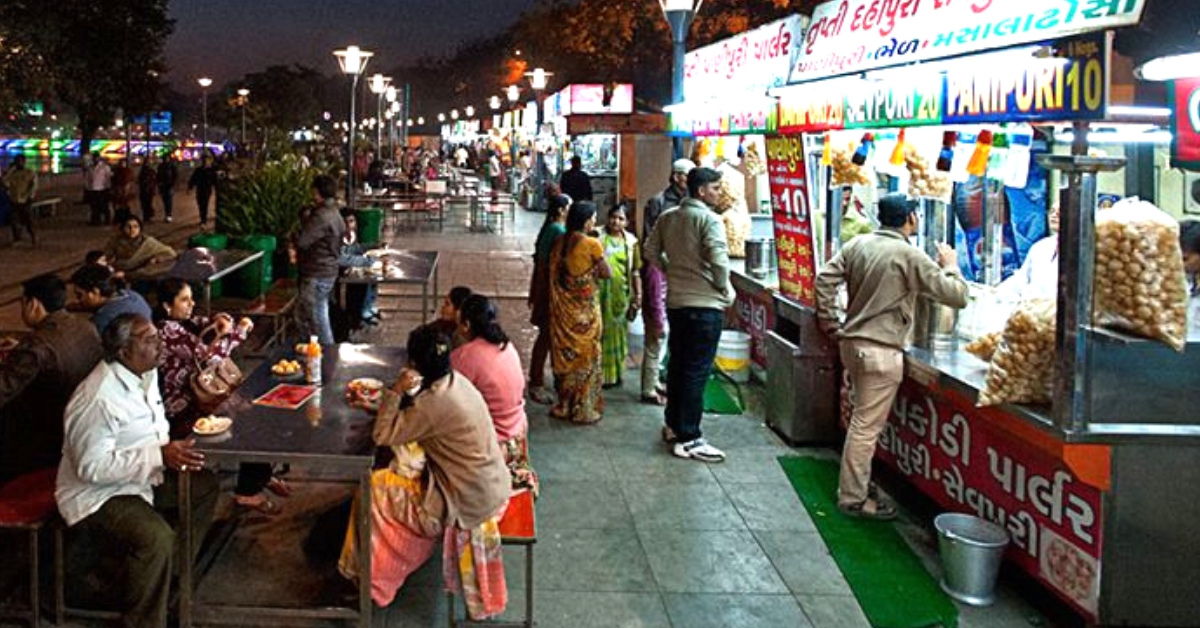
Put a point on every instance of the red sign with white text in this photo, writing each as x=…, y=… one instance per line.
x=964, y=459
x=756, y=316
x=1185, y=142
x=786, y=172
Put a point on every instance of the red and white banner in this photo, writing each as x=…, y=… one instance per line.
x=787, y=174
x=964, y=458
x=1185, y=134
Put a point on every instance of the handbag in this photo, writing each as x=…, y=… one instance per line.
x=214, y=383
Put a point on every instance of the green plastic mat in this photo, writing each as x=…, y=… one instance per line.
x=722, y=395
x=887, y=578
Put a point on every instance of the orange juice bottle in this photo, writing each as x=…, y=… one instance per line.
x=312, y=361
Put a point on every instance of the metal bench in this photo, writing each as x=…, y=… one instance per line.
x=275, y=305
x=45, y=207
x=518, y=526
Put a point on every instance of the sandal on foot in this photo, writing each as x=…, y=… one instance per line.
x=654, y=399
x=541, y=395
x=279, y=487
x=869, y=509
x=262, y=506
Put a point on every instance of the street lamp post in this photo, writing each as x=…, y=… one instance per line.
x=205, y=83
x=379, y=86
x=513, y=93
x=679, y=14
x=243, y=95
x=389, y=96
x=538, y=79
x=352, y=60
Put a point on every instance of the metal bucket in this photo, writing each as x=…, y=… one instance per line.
x=760, y=256
x=971, y=550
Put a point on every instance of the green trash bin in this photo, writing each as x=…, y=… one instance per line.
x=370, y=225
x=212, y=242
x=254, y=279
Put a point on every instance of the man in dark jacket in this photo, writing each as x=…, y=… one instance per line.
x=317, y=249
x=38, y=376
x=575, y=182
x=168, y=175
x=203, y=181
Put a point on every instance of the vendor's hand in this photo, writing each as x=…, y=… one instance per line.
x=408, y=380
x=828, y=327
x=179, y=455
x=245, y=325
x=946, y=256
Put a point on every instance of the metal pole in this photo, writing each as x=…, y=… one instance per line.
x=512, y=149
x=679, y=51
x=351, y=132
x=539, y=173
x=379, y=122
x=243, y=123
x=204, y=116
x=405, y=114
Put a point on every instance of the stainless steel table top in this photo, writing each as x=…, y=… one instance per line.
x=325, y=429
x=416, y=267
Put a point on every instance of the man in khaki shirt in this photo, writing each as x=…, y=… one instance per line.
x=883, y=274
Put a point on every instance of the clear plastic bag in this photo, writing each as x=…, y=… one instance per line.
x=1139, y=282
x=1022, y=368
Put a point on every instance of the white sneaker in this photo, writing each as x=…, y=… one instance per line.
x=698, y=449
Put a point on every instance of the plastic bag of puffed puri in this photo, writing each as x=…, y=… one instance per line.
x=1022, y=367
x=984, y=347
x=1139, y=282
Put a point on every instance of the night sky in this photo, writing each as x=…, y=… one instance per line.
x=225, y=39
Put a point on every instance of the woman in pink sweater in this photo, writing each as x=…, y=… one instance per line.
x=491, y=362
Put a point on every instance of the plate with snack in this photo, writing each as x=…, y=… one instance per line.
x=287, y=369
x=366, y=389
x=212, y=425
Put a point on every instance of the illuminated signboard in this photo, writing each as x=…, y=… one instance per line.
x=1185, y=124
x=1073, y=86
x=847, y=36
x=592, y=99
x=747, y=64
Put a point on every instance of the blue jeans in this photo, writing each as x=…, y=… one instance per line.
x=692, y=344
x=312, y=309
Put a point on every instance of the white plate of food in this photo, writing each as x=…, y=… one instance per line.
x=212, y=425
x=365, y=388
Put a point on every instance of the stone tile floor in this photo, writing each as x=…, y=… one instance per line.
x=629, y=536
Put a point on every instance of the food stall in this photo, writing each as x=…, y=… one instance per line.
x=728, y=115
x=1095, y=482
x=587, y=121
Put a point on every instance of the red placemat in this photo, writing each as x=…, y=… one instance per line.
x=286, y=396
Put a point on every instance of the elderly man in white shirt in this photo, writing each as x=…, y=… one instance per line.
x=117, y=478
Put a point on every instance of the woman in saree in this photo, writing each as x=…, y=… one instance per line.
x=447, y=481
x=620, y=295
x=576, y=264
x=131, y=249
x=539, y=295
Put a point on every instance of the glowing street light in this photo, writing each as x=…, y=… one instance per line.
x=454, y=114
x=205, y=83
x=352, y=60
x=470, y=111
x=379, y=85
x=243, y=98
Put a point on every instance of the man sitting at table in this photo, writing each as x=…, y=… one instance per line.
x=117, y=479
x=37, y=377
x=99, y=292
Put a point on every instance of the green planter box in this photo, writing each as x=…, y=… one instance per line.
x=253, y=279
x=212, y=242
x=370, y=225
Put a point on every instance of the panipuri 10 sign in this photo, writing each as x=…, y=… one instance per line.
x=1185, y=131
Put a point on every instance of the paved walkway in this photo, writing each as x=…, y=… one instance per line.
x=629, y=536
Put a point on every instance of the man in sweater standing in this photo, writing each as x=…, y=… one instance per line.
x=688, y=242
x=317, y=249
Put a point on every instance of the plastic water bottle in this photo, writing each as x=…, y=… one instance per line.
x=312, y=361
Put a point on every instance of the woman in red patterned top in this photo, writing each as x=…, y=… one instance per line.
x=188, y=343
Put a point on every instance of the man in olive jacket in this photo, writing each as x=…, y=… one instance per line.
x=39, y=375
x=884, y=274
x=688, y=242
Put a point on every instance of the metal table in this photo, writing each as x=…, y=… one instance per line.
x=325, y=431
x=224, y=263
x=416, y=268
